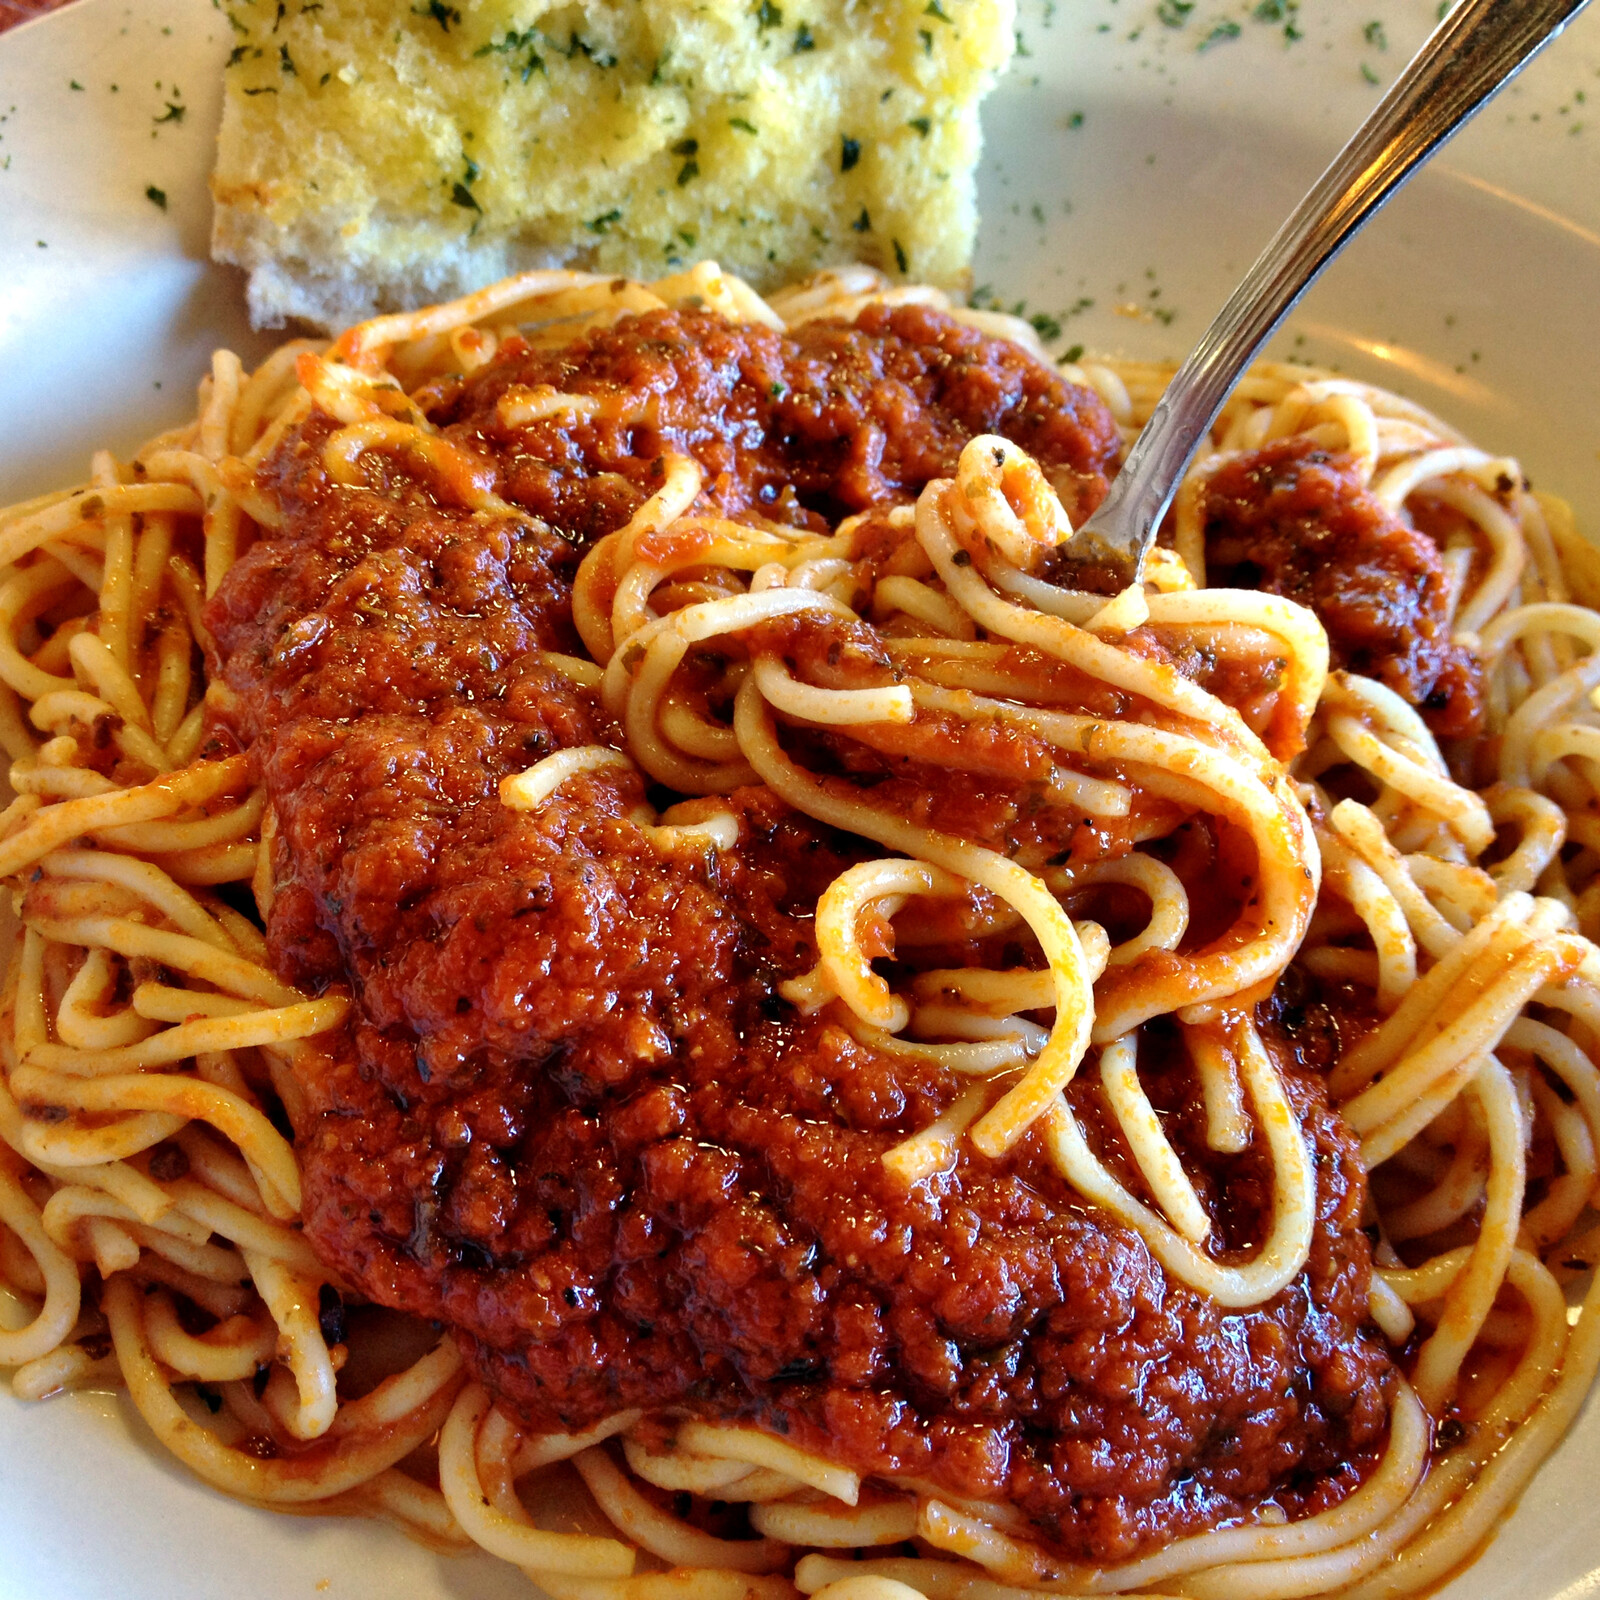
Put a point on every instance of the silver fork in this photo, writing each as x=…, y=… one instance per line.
x=1474, y=52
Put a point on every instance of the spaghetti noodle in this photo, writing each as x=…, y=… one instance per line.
x=972, y=801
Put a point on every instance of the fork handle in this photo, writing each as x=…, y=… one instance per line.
x=1473, y=53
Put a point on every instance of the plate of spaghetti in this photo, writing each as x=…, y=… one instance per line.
x=611, y=971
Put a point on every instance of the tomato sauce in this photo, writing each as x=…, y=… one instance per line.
x=1295, y=519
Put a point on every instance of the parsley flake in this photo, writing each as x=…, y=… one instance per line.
x=519, y=44
x=441, y=13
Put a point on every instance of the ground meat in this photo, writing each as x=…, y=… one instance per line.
x=1296, y=520
x=573, y=1118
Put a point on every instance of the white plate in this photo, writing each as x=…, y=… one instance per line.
x=1122, y=160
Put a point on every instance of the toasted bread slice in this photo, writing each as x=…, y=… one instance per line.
x=376, y=155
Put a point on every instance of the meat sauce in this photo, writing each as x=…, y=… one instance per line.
x=1295, y=519
x=572, y=1116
